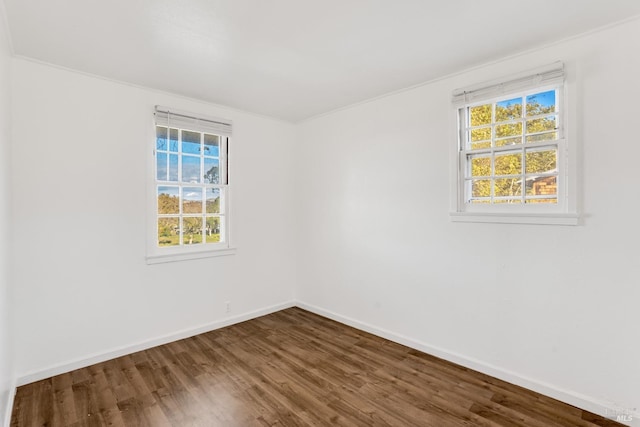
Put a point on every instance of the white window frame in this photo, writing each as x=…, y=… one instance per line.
x=564, y=212
x=175, y=119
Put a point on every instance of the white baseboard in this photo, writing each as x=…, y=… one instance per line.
x=587, y=403
x=165, y=339
x=10, y=399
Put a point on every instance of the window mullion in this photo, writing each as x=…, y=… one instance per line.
x=201, y=177
x=179, y=156
x=181, y=192
x=523, y=185
x=523, y=181
x=203, y=193
x=223, y=161
x=492, y=182
x=180, y=213
x=493, y=125
x=493, y=179
x=168, y=174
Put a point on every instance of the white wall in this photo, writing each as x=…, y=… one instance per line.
x=551, y=307
x=82, y=287
x=372, y=235
x=6, y=353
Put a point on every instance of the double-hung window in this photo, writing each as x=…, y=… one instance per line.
x=191, y=186
x=512, y=152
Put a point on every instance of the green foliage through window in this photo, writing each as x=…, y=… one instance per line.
x=510, y=146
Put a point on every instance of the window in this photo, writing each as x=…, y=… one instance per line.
x=191, y=187
x=512, y=154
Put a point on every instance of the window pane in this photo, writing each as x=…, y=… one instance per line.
x=173, y=141
x=211, y=145
x=190, y=142
x=481, y=188
x=480, y=138
x=549, y=136
x=173, y=167
x=212, y=229
x=168, y=231
x=168, y=200
x=508, y=164
x=540, y=161
x=481, y=134
x=161, y=166
x=213, y=200
x=508, y=141
x=211, y=171
x=191, y=200
x=191, y=169
x=542, y=186
x=191, y=230
x=479, y=145
x=480, y=166
x=480, y=115
x=507, y=187
x=161, y=138
x=541, y=103
x=509, y=109
x=542, y=124
x=513, y=129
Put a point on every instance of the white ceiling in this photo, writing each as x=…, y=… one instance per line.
x=291, y=59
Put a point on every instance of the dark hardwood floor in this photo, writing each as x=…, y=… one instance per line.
x=290, y=368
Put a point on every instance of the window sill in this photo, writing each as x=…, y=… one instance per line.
x=185, y=256
x=516, y=218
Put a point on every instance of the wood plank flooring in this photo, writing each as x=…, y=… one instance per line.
x=290, y=368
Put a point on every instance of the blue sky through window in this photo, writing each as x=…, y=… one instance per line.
x=545, y=99
x=509, y=102
x=192, y=194
x=171, y=191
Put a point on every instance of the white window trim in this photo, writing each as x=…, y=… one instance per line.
x=565, y=213
x=158, y=255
